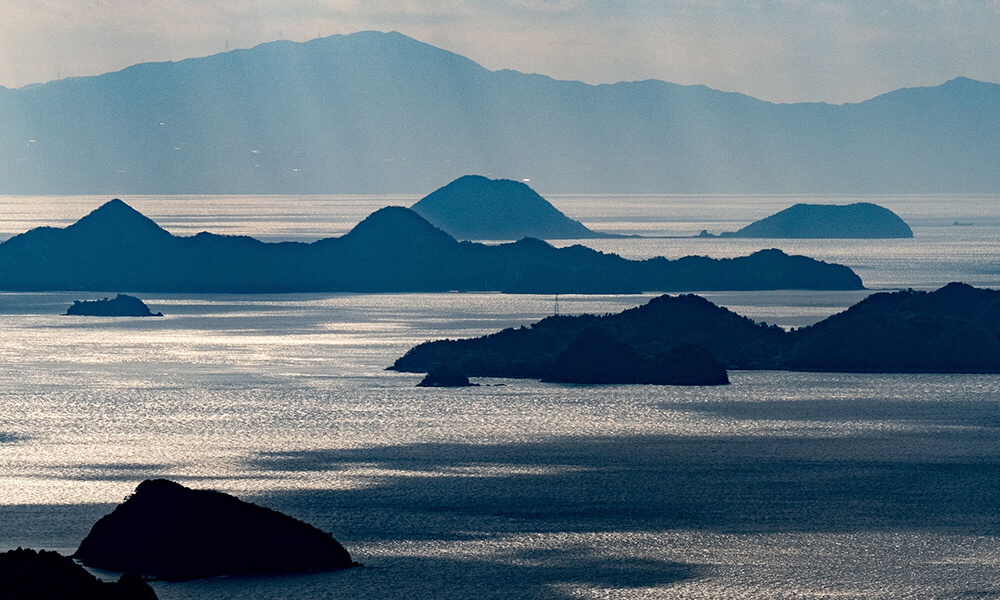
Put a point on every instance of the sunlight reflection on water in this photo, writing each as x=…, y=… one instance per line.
x=781, y=485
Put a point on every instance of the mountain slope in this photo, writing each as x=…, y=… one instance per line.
x=381, y=112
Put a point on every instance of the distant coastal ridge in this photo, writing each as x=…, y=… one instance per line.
x=375, y=112
x=392, y=250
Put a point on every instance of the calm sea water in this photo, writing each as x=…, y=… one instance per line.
x=781, y=485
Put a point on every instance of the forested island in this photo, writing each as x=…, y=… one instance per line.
x=474, y=207
x=860, y=220
x=955, y=329
x=392, y=250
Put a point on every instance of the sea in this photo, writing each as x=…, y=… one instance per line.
x=782, y=485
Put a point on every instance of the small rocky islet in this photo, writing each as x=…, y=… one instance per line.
x=121, y=305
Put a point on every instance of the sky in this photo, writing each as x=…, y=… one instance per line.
x=779, y=50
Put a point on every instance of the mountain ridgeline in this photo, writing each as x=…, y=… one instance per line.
x=392, y=250
x=955, y=329
x=378, y=112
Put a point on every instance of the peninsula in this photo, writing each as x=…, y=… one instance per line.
x=952, y=330
x=392, y=250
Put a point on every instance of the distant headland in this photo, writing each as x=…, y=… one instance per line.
x=861, y=220
x=392, y=250
x=952, y=330
x=478, y=208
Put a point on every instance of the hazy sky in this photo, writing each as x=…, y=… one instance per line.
x=781, y=50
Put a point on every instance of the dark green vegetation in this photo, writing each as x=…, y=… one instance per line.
x=168, y=531
x=380, y=112
x=955, y=329
x=393, y=250
x=858, y=220
x=120, y=306
x=477, y=208
x=29, y=575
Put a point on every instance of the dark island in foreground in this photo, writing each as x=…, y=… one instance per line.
x=861, y=220
x=171, y=532
x=27, y=574
x=955, y=329
x=474, y=207
x=121, y=305
x=393, y=250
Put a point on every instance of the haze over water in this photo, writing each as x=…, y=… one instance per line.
x=781, y=485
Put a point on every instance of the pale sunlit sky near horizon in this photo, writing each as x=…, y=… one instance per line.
x=779, y=50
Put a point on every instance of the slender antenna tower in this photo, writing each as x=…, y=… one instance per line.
x=556, y=311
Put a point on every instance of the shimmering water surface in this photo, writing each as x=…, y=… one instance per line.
x=781, y=485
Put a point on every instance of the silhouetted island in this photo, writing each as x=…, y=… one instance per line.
x=27, y=574
x=392, y=250
x=478, y=208
x=862, y=220
x=168, y=531
x=445, y=376
x=955, y=329
x=121, y=305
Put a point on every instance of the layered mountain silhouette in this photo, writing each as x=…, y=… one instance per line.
x=381, y=112
x=392, y=250
x=861, y=220
x=955, y=329
x=474, y=207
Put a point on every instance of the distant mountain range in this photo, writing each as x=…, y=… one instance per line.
x=380, y=112
x=115, y=248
